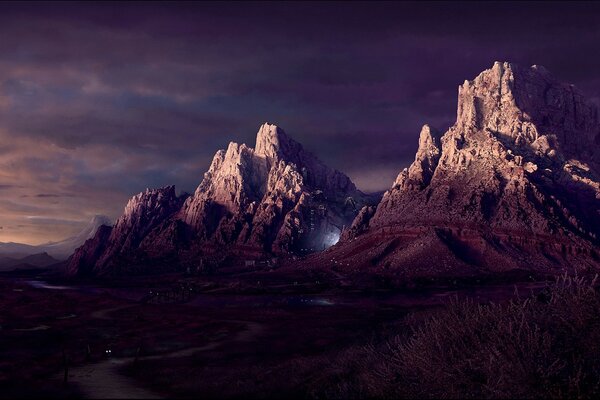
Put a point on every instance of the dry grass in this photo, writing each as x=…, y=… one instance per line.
x=542, y=346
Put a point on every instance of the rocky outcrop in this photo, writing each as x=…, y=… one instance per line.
x=275, y=198
x=420, y=172
x=360, y=224
x=143, y=213
x=514, y=183
x=83, y=261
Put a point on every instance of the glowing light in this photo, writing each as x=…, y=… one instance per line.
x=331, y=238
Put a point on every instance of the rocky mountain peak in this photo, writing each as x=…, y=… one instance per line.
x=520, y=164
x=273, y=143
x=528, y=107
x=267, y=140
x=274, y=199
x=516, y=128
x=143, y=213
x=149, y=201
x=248, y=193
x=236, y=178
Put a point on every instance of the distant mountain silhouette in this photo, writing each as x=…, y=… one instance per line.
x=40, y=260
x=60, y=250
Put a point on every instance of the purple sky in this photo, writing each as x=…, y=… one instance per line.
x=98, y=102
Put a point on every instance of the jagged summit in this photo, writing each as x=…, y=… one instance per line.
x=522, y=105
x=149, y=200
x=273, y=143
x=513, y=183
x=516, y=129
x=261, y=186
x=274, y=199
x=519, y=164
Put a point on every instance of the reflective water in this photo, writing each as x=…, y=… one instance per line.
x=46, y=285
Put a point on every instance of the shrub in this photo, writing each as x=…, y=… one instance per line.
x=541, y=346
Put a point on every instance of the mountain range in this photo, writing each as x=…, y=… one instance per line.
x=513, y=184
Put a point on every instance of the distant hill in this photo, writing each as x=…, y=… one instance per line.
x=59, y=250
x=40, y=260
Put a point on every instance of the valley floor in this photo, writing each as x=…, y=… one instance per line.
x=257, y=335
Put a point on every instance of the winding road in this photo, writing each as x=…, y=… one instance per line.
x=103, y=380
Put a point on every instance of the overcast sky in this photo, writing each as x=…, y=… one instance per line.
x=98, y=102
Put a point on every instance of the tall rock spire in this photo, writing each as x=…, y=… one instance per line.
x=420, y=172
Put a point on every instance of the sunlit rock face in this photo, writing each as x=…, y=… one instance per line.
x=275, y=198
x=513, y=183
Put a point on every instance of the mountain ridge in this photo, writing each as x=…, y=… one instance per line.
x=38, y=260
x=512, y=184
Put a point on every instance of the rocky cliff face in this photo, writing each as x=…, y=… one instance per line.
x=275, y=198
x=513, y=183
x=83, y=261
x=143, y=213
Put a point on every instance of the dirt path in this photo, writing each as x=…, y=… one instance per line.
x=102, y=380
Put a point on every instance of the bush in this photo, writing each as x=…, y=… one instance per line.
x=543, y=346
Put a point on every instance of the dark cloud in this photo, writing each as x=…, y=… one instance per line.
x=99, y=101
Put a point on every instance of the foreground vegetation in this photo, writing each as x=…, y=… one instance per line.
x=544, y=345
